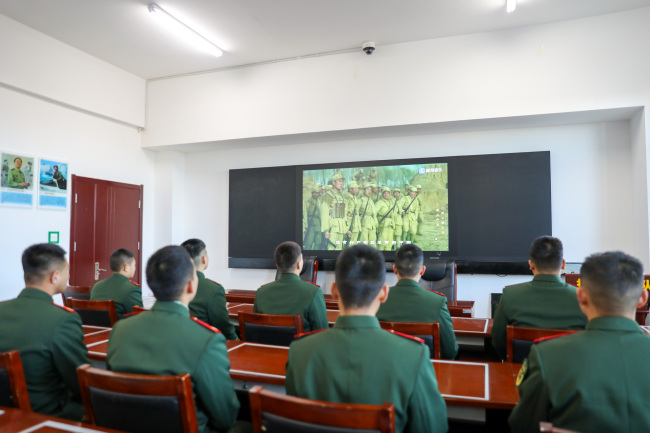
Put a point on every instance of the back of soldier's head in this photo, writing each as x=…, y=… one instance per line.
x=409, y=259
x=168, y=271
x=40, y=260
x=286, y=256
x=613, y=281
x=360, y=274
x=547, y=254
x=196, y=249
x=119, y=258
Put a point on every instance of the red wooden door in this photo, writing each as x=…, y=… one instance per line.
x=105, y=216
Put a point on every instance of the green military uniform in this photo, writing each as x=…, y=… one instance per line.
x=313, y=234
x=16, y=178
x=166, y=341
x=399, y=218
x=591, y=381
x=368, y=217
x=120, y=289
x=385, y=213
x=411, y=217
x=209, y=305
x=290, y=295
x=410, y=302
x=333, y=217
x=352, y=212
x=50, y=340
x=544, y=302
x=358, y=362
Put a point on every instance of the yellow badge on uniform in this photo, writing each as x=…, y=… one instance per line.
x=522, y=373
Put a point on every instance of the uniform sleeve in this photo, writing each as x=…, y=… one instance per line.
x=134, y=298
x=69, y=351
x=499, y=325
x=448, y=344
x=215, y=394
x=256, y=308
x=317, y=313
x=534, y=404
x=427, y=411
x=218, y=315
x=11, y=181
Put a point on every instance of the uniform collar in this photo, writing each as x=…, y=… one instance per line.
x=289, y=277
x=613, y=323
x=32, y=293
x=547, y=278
x=201, y=275
x=174, y=307
x=117, y=276
x=357, y=322
x=408, y=283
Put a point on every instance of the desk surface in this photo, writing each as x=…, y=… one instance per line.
x=18, y=421
x=484, y=384
x=96, y=340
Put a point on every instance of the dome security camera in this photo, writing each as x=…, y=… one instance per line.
x=368, y=47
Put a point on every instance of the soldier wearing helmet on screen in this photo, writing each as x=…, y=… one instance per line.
x=385, y=210
x=333, y=214
x=351, y=209
x=398, y=216
x=411, y=216
x=368, y=217
x=313, y=234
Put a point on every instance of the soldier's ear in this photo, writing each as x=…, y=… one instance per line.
x=335, y=291
x=424, y=268
x=382, y=296
x=643, y=299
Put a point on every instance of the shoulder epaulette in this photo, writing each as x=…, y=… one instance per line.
x=133, y=282
x=304, y=334
x=441, y=294
x=410, y=337
x=205, y=325
x=68, y=309
x=551, y=337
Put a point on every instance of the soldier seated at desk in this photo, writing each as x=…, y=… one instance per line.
x=49, y=337
x=596, y=380
x=118, y=287
x=165, y=340
x=544, y=302
x=209, y=305
x=410, y=302
x=358, y=362
x=289, y=294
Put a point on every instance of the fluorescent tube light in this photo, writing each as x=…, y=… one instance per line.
x=511, y=5
x=183, y=31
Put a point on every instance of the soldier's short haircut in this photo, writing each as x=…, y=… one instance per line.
x=168, y=271
x=17, y=158
x=286, y=255
x=40, y=260
x=613, y=280
x=360, y=274
x=408, y=260
x=119, y=258
x=547, y=254
x=196, y=249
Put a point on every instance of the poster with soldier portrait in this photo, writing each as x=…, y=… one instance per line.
x=17, y=179
x=381, y=206
x=53, y=184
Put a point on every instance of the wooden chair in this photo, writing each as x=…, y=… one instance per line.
x=429, y=332
x=273, y=329
x=279, y=413
x=13, y=387
x=138, y=403
x=520, y=339
x=136, y=310
x=76, y=292
x=96, y=313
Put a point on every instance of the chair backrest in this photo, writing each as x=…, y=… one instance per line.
x=77, y=292
x=13, y=388
x=96, y=313
x=269, y=328
x=309, y=270
x=441, y=277
x=138, y=403
x=520, y=339
x=279, y=413
x=429, y=332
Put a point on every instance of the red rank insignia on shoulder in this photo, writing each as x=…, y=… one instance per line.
x=551, y=337
x=205, y=325
x=304, y=334
x=68, y=309
x=133, y=282
x=410, y=337
x=441, y=294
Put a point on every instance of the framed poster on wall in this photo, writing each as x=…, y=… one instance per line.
x=52, y=184
x=17, y=179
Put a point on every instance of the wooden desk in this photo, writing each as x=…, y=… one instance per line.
x=469, y=388
x=96, y=339
x=19, y=421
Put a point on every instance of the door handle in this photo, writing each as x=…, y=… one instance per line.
x=97, y=269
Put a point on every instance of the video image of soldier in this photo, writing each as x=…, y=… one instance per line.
x=368, y=216
x=313, y=237
x=386, y=222
x=351, y=209
x=333, y=215
x=399, y=218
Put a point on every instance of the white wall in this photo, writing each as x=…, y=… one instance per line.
x=592, y=189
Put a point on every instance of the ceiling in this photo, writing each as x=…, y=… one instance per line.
x=122, y=33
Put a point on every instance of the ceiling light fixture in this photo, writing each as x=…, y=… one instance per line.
x=184, y=31
x=511, y=5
